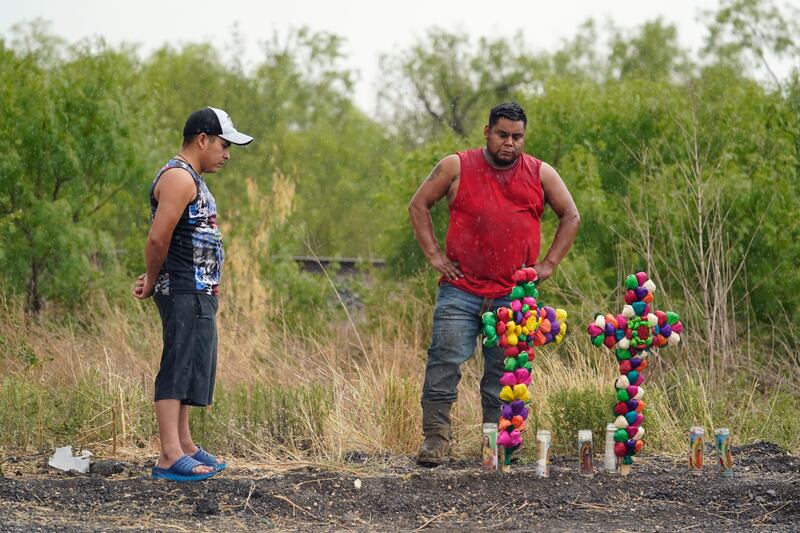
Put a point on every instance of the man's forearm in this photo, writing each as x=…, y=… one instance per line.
x=562, y=241
x=155, y=253
x=423, y=230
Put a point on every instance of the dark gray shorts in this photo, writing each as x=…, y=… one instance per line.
x=189, y=358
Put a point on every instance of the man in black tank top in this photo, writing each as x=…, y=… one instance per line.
x=184, y=256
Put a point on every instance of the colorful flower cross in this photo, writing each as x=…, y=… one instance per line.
x=632, y=334
x=518, y=328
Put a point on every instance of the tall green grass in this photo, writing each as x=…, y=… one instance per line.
x=375, y=411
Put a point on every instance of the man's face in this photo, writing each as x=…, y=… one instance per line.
x=215, y=152
x=505, y=140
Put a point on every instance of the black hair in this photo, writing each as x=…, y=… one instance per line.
x=189, y=139
x=509, y=110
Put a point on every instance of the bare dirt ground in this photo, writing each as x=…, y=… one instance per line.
x=394, y=494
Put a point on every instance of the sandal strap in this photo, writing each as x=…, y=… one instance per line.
x=185, y=466
x=204, y=457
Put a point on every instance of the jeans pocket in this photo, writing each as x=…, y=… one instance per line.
x=205, y=305
x=453, y=301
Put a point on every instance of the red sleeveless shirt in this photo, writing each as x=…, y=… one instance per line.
x=494, y=224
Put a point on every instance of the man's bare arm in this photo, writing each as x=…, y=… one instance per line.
x=560, y=200
x=175, y=190
x=439, y=183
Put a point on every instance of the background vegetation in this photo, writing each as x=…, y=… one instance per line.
x=687, y=166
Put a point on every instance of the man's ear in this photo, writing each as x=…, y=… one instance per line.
x=486, y=131
x=202, y=141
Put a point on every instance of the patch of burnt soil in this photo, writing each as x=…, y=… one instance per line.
x=660, y=495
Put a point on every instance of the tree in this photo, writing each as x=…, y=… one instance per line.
x=66, y=133
x=753, y=33
x=653, y=53
x=444, y=81
x=302, y=113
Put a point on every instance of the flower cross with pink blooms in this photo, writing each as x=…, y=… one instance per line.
x=632, y=334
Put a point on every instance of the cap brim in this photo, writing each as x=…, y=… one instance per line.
x=237, y=138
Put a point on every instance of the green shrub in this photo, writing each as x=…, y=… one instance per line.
x=32, y=414
x=575, y=409
x=774, y=418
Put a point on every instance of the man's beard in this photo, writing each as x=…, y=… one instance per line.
x=498, y=162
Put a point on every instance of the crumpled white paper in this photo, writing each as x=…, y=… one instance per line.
x=64, y=460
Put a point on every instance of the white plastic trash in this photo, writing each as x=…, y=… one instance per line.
x=64, y=460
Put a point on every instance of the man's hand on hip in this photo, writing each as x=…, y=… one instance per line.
x=447, y=267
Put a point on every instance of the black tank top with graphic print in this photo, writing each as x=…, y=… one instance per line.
x=195, y=256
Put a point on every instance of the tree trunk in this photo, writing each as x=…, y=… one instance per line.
x=33, y=298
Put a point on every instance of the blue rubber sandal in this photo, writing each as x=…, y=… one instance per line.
x=207, y=459
x=181, y=471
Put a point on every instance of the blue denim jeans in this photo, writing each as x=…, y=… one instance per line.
x=456, y=325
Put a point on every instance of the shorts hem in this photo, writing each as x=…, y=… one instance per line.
x=183, y=399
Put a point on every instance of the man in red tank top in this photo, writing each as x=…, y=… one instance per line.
x=496, y=196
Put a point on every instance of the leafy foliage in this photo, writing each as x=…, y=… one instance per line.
x=645, y=136
x=66, y=134
x=576, y=409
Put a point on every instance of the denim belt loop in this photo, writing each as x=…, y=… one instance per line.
x=487, y=305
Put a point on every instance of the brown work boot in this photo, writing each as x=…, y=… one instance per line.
x=436, y=427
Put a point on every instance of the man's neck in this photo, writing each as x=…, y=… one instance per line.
x=191, y=159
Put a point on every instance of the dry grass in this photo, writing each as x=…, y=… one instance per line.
x=99, y=370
